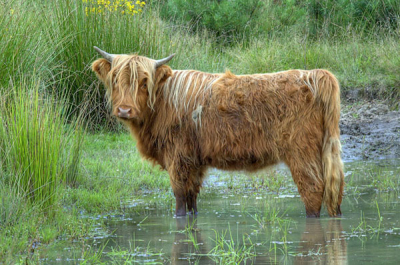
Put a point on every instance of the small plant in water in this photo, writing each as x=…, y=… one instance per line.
x=384, y=182
x=364, y=231
x=272, y=216
x=227, y=251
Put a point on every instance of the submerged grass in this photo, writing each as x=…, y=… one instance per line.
x=228, y=250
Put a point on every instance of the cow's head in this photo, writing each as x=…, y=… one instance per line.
x=132, y=82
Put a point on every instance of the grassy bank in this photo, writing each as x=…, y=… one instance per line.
x=111, y=175
x=113, y=172
x=39, y=159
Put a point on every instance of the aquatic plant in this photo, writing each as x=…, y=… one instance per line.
x=271, y=216
x=383, y=180
x=364, y=230
x=130, y=254
x=227, y=250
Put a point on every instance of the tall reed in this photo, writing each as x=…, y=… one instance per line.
x=38, y=150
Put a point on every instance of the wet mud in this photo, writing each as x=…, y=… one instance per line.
x=369, y=130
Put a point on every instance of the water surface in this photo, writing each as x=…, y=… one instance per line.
x=256, y=221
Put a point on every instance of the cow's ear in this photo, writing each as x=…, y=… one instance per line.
x=162, y=74
x=101, y=67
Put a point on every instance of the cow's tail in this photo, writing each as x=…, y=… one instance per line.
x=327, y=92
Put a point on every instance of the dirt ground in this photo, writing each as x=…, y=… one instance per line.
x=369, y=130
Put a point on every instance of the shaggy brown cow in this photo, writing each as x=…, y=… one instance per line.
x=187, y=121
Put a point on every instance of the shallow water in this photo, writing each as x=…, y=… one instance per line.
x=255, y=225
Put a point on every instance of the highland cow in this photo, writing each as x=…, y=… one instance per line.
x=187, y=121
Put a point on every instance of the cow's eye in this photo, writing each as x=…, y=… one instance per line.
x=144, y=84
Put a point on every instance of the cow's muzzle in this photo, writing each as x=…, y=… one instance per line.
x=124, y=113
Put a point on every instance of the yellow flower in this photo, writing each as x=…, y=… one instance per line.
x=11, y=11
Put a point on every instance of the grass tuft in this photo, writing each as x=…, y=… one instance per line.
x=35, y=143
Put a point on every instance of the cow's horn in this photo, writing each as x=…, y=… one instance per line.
x=164, y=61
x=109, y=57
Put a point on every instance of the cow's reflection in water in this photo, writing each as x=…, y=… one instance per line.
x=322, y=246
x=188, y=241
x=317, y=245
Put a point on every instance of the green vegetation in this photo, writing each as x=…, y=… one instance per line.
x=39, y=158
x=263, y=18
x=53, y=175
x=40, y=151
x=229, y=250
x=114, y=173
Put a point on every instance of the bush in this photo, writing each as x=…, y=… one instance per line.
x=244, y=19
x=227, y=19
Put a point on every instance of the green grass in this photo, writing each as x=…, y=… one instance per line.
x=39, y=151
x=231, y=250
x=358, y=62
x=112, y=173
x=39, y=157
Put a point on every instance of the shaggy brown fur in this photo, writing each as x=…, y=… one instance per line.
x=187, y=121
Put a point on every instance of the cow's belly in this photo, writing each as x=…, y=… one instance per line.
x=247, y=163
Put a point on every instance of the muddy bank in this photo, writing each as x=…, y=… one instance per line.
x=369, y=130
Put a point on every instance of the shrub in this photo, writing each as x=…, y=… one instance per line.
x=227, y=19
x=244, y=19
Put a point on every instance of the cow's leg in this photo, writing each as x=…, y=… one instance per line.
x=193, y=189
x=308, y=178
x=339, y=212
x=191, y=201
x=180, y=207
x=311, y=192
x=178, y=181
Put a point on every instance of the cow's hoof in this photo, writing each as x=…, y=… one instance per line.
x=180, y=213
x=312, y=215
x=339, y=212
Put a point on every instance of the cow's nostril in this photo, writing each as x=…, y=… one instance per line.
x=123, y=113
